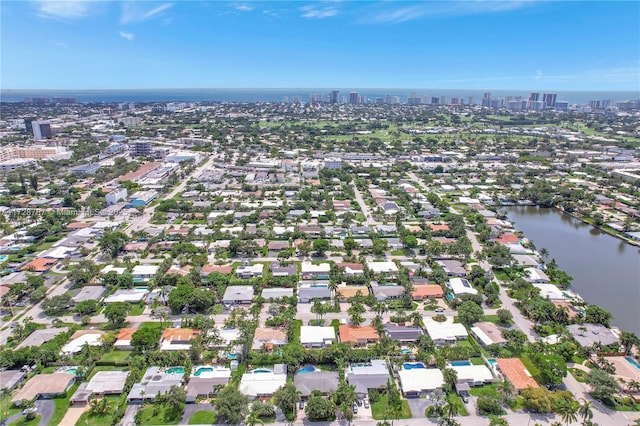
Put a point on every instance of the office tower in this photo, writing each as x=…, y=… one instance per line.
x=594, y=104
x=41, y=130
x=387, y=99
x=487, y=95
x=379, y=101
x=549, y=99
x=333, y=96
x=435, y=101
x=362, y=99
x=28, y=124
x=472, y=100
x=396, y=100
x=444, y=100
x=141, y=149
x=353, y=97
x=413, y=99
x=534, y=96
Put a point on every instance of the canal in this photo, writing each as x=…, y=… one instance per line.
x=605, y=270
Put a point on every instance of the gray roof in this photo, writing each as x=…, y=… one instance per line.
x=10, y=378
x=593, y=333
x=203, y=386
x=402, y=333
x=89, y=293
x=384, y=292
x=38, y=337
x=154, y=381
x=310, y=293
x=275, y=293
x=238, y=293
x=453, y=267
x=324, y=381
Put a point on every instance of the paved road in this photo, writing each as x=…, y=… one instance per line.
x=363, y=207
x=129, y=418
x=191, y=409
x=45, y=407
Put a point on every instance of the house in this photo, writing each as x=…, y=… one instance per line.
x=90, y=292
x=388, y=291
x=209, y=269
x=130, y=295
x=308, y=293
x=360, y=335
x=323, y=381
x=123, y=340
x=487, y=333
x=156, y=380
x=177, y=339
x=402, y=333
x=352, y=269
x=453, y=268
x=383, y=267
x=81, y=338
x=39, y=337
x=416, y=380
x=237, y=294
x=277, y=270
x=205, y=381
x=9, y=379
x=427, y=291
x=446, y=332
x=474, y=375
x=268, y=337
x=515, y=372
x=311, y=271
x=276, y=293
x=587, y=334
x=536, y=276
x=552, y=292
x=102, y=383
x=263, y=382
x=365, y=376
x=460, y=286
x=44, y=386
x=250, y=271
x=317, y=337
x=345, y=292
x=39, y=264
x=144, y=272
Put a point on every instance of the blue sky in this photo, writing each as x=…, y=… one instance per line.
x=534, y=45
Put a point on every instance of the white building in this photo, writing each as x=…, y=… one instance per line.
x=461, y=286
x=333, y=163
x=420, y=381
x=317, y=337
x=144, y=272
x=116, y=195
x=475, y=375
x=446, y=332
x=382, y=267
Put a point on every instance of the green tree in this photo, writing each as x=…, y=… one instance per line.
x=231, y=404
x=146, y=339
x=286, y=398
x=320, y=246
x=504, y=316
x=113, y=242
x=568, y=410
x=506, y=390
x=628, y=340
x=117, y=312
x=319, y=409
x=469, y=312
x=603, y=385
x=585, y=411
x=175, y=399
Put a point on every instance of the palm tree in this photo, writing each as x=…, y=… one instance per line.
x=568, y=410
x=253, y=419
x=450, y=410
x=633, y=386
x=506, y=390
x=585, y=410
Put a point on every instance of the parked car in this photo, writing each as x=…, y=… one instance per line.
x=366, y=403
x=355, y=408
x=465, y=398
x=301, y=405
x=440, y=309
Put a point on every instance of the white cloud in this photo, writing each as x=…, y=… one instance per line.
x=128, y=36
x=243, y=7
x=387, y=15
x=318, y=13
x=137, y=12
x=62, y=10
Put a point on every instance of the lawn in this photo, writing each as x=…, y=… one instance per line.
x=22, y=421
x=378, y=409
x=136, y=310
x=486, y=390
x=579, y=375
x=62, y=405
x=455, y=399
x=156, y=415
x=533, y=369
x=203, y=417
x=115, y=357
x=7, y=407
x=104, y=420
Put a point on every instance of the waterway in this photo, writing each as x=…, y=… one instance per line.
x=605, y=269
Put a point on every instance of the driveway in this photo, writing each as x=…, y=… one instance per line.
x=191, y=409
x=418, y=406
x=46, y=407
x=129, y=418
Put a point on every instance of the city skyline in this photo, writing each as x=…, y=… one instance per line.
x=537, y=46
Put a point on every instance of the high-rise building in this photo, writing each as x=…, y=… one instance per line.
x=472, y=100
x=379, y=101
x=534, y=96
x=444, y=100
x=388, y=99
x=141, y=148
x=333, y=96
x=435, y=101
x=549, y=99
x=315, y=98
x=285, y=99
x=353, y=97
x=413, y=99
x=41, y=130
x=28, y=124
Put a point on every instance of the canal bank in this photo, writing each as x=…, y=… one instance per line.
x=605, y=269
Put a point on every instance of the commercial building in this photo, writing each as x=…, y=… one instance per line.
x=116, y=195
x=141, y=148
x=41, y=130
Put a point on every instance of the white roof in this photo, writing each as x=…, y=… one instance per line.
x=59, y=252
x=420, y=379
x=475, y=373
x=145, y=269
x=551, y=291
x=310, y=334
x=258, y=268
x=382, y=267
x=444, y=330
x=117, y=270
x=254, y=384
x=75, y=346
x=127, y=295
x=229, y=335
x=308, y=267
x=461, y=286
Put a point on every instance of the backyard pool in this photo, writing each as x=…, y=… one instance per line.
x=231, y=356
x=3, y=257
x=405, y=351
x=460, y=363
x=492, y=362
x=203, y=371
x=632, y=362
x=261, y=370
x=412, y=365
x=308, y=369
x=175, y=370
x=69, y=370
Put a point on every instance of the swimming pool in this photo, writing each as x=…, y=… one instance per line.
x=203, y=371
x=261, y=370
x=632, y=362
x=69, y=370
x=175, y=370
x=3, y=257
x=308, y=369
x=405, y=351
x=460, y=363
x=412, y=365
x=231, y=356
x=492, y=362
